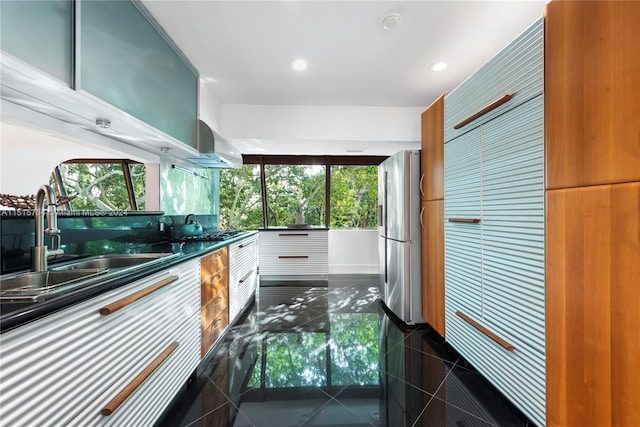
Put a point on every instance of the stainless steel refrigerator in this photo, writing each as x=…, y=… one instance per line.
x=399, y=235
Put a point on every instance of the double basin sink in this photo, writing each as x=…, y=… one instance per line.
x=37, y=286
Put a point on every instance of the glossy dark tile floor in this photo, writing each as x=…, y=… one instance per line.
x=331, y=356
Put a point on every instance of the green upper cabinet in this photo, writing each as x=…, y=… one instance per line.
x=123, y=59
x=39, y=33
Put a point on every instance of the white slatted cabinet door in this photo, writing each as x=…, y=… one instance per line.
x=463, y=279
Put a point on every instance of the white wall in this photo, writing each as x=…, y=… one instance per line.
x=320, y=130
x=353, y=251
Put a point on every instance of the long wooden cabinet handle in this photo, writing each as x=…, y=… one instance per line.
x=246, y=245
x=293, y=256
x=485, y=110
x=115, y=306
x=485, y=331
x=293, y=234
x=137, y=381
x=246, y=276
x=465, y=220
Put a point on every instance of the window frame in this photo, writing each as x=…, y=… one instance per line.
x=326, y=161
x=126, y=174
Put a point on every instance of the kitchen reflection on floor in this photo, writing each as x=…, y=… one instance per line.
x=329, y=355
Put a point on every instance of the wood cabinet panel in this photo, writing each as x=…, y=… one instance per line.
x=592, y=265
x=432, y=161
x=592, y=93
x=214, y=297
x=433, y=264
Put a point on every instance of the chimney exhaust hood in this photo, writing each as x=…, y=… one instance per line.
x=214, y=151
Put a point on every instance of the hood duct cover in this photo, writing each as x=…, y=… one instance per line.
x=214, y=151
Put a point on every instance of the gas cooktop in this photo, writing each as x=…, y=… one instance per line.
x=211, y=236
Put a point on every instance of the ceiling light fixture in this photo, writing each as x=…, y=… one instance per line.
x=438, y=66
x=299, y=64
x=390, y=21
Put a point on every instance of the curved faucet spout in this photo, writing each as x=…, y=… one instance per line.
x=40, y=252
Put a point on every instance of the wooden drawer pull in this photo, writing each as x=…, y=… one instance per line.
x=483, y=111
x=217, y=278
x=215, y=255
x=216, y=324
x=115, y=306
x=485, y=331
x=293, y=256
x=246, y=245
x=465, y=220
x=293, y=234
x=246, y=276
x=137, y=381
x=216, y=302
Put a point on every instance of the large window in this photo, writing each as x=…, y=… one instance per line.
x=101, y=184
x=326, y=191
x=296, y=194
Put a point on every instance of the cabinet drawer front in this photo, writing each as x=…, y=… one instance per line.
x=54, y=367
x=243, y=257
x=214, y=262
x=213, y=330
x=241, y=291
x=214, y=307
x=211, y=286
x=311, y=265
x=519, y=374
x=147, y=402
x=312, y=241
x=517, y=70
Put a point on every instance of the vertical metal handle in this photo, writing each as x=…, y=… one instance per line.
x=421, y=179
x=421, y=222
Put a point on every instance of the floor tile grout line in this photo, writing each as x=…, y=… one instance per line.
x=435, y=393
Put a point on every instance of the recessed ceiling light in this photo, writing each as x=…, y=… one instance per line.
x=390, y=21
x=438, y=66
x=299, y=64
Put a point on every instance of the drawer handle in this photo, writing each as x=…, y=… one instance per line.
x=246, y=245
x=219, y=278
x=465, y=220
x=216, y=255
x=246, y=276
x=485, y=331
x=216, y=302
x=115, y=306
x=483, y=111
x=216, y=324
x=293, y=256
x=133, y=385
x=293, y=234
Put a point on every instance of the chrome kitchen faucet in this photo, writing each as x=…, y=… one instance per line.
x=40, y=252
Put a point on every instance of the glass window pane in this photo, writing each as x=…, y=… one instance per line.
x=240, y=198
x=138, y=178
x=96, y=186
x=295, y=195
x=354, y=196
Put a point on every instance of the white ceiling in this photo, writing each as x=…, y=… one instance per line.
x=243, y=49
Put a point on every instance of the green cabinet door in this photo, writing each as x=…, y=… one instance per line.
x=39, y=33
x=124, y=60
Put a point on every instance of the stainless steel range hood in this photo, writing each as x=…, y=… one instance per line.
x=214, y=151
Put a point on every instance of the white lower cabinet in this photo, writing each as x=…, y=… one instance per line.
x=69, y=367
x=294, y=252
x=243, y=274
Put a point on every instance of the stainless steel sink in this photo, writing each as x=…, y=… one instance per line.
x=38, y=286
x=32, y=285
x=111, y=262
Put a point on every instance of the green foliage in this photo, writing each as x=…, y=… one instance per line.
x=240, y=198
x=294, y=188
x=354, y=348
x=354, y=196
x=100, y=186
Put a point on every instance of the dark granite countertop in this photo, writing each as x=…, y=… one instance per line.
x=13, y=315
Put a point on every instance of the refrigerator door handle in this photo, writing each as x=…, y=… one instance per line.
x=379, y=215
